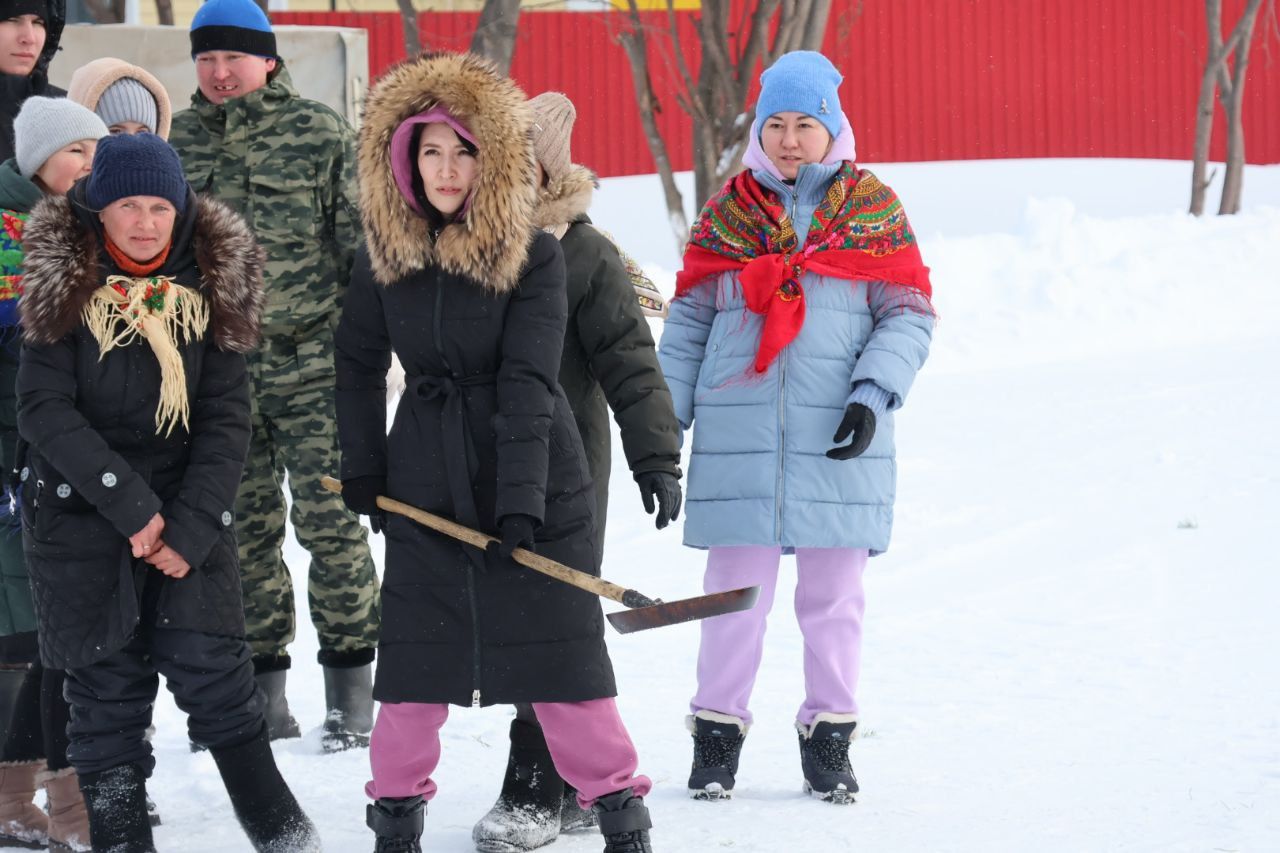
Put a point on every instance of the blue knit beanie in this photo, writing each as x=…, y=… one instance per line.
x=236, y=25
x=137, y=164
x=803, y=81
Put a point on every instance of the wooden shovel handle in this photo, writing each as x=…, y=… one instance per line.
x=524, y=557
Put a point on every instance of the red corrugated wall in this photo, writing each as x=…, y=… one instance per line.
x=924, y=79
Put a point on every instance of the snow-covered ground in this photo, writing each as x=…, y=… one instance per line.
x=1072, y=645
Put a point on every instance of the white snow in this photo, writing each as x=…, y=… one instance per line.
x=1072, y=644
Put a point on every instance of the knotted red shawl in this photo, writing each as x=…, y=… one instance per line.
x=859, y=232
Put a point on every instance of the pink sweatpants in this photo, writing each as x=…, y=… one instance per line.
x=829, y=608
x=588, y=743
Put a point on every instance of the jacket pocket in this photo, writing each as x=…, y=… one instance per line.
x=285, y=203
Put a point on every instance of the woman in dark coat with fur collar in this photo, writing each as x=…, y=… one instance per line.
x=139, y=303
x=471, y=297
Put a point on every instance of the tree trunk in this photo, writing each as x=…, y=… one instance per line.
x=164, y=12
x=495, y=35
x=1200, y=177
x=262, y=4
x=106, y=11
x=1233, y=106
x=409, y=27
x=634, y=45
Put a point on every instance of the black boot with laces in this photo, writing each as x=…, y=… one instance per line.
x=717, y=744
x=397, y=821
x=624, y=822
x=824, y=758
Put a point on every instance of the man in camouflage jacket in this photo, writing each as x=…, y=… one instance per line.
x=287, y=164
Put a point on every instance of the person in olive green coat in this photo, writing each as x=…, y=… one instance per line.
x=609, y=362
x=287, y=165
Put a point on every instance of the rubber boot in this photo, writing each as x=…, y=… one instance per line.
x=117, y=805
x=22, y=824
x=572, y=815
x=68, y=816
x=717, y=746
x=261, y=799
x=348, y=694
x=280, y=723
x=824, y=757
x=624, y=822
x=397, y=821
x=528, y=812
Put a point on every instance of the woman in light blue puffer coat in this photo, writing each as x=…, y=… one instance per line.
x=802, y=312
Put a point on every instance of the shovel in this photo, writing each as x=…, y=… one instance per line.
x=645, y=612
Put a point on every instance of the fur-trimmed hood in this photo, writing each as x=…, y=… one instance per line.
x=490, y=244
x=90, y=81
x=565, y=199
x=62, y=268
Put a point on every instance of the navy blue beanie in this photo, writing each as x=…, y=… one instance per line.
x=235, y=25
x=803, y=81
x=136, y=164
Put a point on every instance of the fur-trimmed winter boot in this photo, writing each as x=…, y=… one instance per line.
x=348, y=694
x=271, y=677
x=624, y=822
x=527, y=814
x=397, y=821
x=261, y=799
x=68, y=816
x=22, y=824
x=717, y=745
x=117, y=805
x=824, y=757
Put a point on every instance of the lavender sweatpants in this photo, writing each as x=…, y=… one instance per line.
x=588, y=743
x=829, y=607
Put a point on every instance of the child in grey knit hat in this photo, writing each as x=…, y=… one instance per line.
x=54, y=142
x=128, y=98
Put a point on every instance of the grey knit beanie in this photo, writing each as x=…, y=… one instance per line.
x=44, y=125
x=127, y=100
x=553, y=118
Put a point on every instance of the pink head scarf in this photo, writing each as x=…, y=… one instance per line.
x=404, y=161
x=843, y=148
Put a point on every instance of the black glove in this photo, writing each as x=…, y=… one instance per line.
x=861, y=423
x=360, y=494
x=666, y=488
x=515, y=531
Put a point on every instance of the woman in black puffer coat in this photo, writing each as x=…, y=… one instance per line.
x=471, y=297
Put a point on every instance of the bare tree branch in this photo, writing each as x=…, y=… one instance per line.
x=495, y=35
x=409, y=27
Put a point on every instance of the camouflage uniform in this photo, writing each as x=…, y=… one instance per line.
x=287, y=164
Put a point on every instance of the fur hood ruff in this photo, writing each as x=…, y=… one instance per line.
x=564, y=200
x=62, y=270
x=491, y=243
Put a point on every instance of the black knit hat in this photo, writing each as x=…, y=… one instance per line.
x=137, y=164
x=14, y=8
x=236, y=25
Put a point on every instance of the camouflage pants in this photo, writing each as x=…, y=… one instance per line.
x=295, y=433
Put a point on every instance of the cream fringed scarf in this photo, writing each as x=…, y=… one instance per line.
x=164, y=313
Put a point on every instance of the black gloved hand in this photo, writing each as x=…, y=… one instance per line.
x=861, y=423
x=515, y=531
x=665, y=488
x=360, y=494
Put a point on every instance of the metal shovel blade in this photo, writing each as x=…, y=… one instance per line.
x=684, y=610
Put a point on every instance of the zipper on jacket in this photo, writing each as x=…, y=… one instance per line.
x=780, y=491
x=438, y=323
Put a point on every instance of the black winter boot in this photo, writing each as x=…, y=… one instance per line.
x=717, y=745
x=262, y=801
x=348, y=694
x=528, y=812
x=824, y=757
x=280, y=723
x=117, y=804
x=624, y=822
x=397, y=821
x=572, y=815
